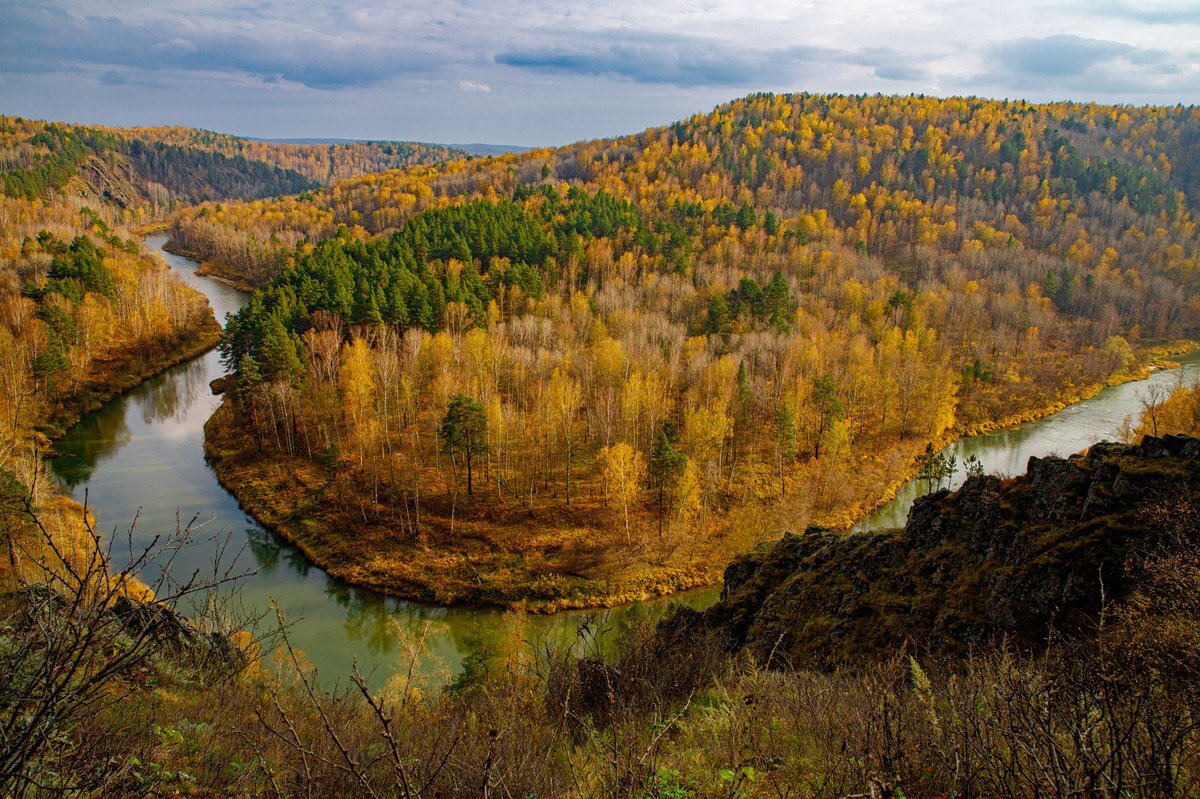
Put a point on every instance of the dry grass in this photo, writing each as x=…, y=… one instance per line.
x=627, y=712
x=630, y=724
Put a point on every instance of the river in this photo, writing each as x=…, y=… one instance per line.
x=144, y=450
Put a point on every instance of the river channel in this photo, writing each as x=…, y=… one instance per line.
x=144, y=450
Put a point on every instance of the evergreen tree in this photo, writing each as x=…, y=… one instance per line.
x=785, y=441
x=666, y=464
x=464, y=431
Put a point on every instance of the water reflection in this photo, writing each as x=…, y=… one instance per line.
x=171, y=395
x=265, y=548
x=95, y=438
x=270, y=551
x=367, y=617
x=164, y=401
x=145, y=450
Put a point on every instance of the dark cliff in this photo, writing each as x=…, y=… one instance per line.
x=1010, y=559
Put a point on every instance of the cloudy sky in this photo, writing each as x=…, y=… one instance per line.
x=541, y=72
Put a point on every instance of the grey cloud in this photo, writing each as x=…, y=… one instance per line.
x=668, y=59
x=901, y=72
x=379, y=67
x=55, y=39
x=10, y=65
x=1179, y=14
x=891, y=64
x=1069, y=55
x=1089, y=67
x=693, y=61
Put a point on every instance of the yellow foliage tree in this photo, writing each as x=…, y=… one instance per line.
x=624, y=472
x=565, y=397
x=356, y=378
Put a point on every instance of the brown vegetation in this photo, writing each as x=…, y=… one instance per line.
x=1000, y=559
x=1108, y=714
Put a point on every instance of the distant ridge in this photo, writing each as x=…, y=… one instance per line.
x=133, y=167
x=484, y=150
x=478, y=149
x=304, y=140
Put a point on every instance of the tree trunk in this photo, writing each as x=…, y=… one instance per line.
x=568, y=467
x=469, y=467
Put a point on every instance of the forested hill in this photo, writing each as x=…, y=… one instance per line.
x=324, y=162
x=905, y=179
x=138, y=167
x=667, y=345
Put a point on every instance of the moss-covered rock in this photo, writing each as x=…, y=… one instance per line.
x=999, y=559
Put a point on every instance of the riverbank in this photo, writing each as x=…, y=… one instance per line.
x=1152, y=359
x=115, y=376
x=207, y=268
x=69, y=527
x=479, y=562
x=1156, y=357
x=463, y=565
x=67, y=537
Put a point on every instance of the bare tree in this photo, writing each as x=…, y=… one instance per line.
x=78, y=627
x=1151, y=400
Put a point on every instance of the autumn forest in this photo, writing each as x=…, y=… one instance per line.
x=475, y=426
x=675, y=344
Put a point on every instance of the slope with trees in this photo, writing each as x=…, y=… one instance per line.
x=765, y=313
x=84, y=315
x=150, y=170
x=324, y=163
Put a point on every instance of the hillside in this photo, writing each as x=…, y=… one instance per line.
x=598, y=373
x=890, y=172
x=84, y=316
x=84, y=313
x=325, y=162
x=1015, y=560
x=132, y=168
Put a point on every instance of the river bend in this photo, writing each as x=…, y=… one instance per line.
x=145, y=450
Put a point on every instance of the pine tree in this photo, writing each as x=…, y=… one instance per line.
x=464, y=431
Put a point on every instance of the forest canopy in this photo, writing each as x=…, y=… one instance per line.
x=129, y=167
x=689, y=338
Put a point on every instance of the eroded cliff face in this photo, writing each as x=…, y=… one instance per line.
x=999, y=559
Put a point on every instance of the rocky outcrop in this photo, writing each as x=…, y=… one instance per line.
x=998, y=559
x=157, y=628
